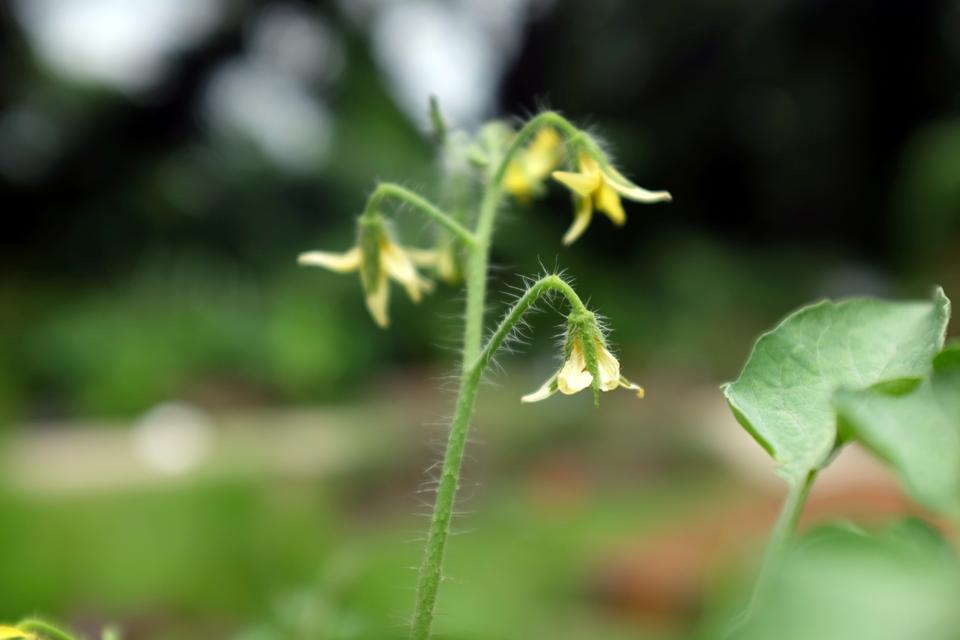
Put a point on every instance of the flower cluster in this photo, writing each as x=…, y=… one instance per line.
x=593, y=181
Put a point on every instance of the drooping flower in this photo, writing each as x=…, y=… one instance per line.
x=531, y=166
x=12, y=633
x=597, y=186
x=584, y=343
x=377, y=257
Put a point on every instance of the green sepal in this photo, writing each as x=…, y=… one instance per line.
x=371, y=234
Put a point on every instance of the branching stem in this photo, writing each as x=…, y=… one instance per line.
x=475, y=360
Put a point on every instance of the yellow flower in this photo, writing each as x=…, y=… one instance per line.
x=575, y=376
x=376, y=257
x=443, y=259
x=601, y=188
x=531, y=166
x=12, y=633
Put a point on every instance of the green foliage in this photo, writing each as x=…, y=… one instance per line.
x=917, y=432
x=784, y=395
x=840, y=582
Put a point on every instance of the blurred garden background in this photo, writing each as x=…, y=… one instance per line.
x=202, y=440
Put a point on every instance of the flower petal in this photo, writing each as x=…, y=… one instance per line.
x=542, y=155
x=626, y=384
x=628, y=190
x=545, y=391
x=378, y=300
x=581, y=220
x=516, y=182
x=12, y=633
x=609, y=202
x=398, y=265
x=608, y=368
x=573, y=376
x=583, y=184
x=339, y=262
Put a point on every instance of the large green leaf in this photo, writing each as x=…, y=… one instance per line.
x=917, y=432
x=784, y=395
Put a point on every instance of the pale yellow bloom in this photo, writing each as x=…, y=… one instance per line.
x=597, y=187
x=12, y=633
x=377, y=258
x=442, y=259
x=574, y=375
x=531, y=166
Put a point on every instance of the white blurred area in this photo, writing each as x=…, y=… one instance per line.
x=271, y=94
x=457, y=50
x=124, y=44
x=172, y=438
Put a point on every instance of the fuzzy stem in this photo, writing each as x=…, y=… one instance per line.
x=431, y=568
x=542, y=286
x=479, y=258
x=386, y=190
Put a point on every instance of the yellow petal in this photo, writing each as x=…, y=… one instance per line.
x=339, y=262
x=547, y=141
x=12, y=633
x=609, y=202
x=545, y=391
x=608, y=368
x=580, y=183
x=581, y=220
x=516, y=182
x=543, y=154
x=398, y=265
x=626, y=384
x=377, y=301
x=631, y=191
x=574, y=377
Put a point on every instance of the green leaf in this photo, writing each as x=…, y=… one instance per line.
x=917, y=433
x=838, y=583
x=783, y=397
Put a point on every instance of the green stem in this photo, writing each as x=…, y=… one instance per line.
x=473, y=364
x=431, y=568
x=780, y=537
x=479, y=259
x=386, y=190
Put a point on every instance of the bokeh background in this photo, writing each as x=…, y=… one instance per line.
x=202, y=440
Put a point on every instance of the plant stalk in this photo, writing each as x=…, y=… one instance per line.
x=780, y=538
x=431, y=568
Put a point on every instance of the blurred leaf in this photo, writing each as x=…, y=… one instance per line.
x=783, y=396
x=918, y=433
x=841, y=583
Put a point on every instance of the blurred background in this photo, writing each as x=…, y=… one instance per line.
x=201, y=440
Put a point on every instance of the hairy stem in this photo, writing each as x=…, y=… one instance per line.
x=479, y=258
x=431, y=568
x=386, y=190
